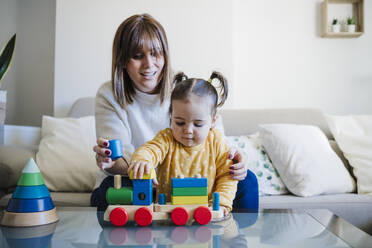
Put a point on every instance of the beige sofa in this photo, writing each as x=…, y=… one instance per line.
x=357, y=209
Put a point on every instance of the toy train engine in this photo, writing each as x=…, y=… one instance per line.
x=189, y=201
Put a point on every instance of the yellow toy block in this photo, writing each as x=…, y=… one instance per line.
x=152, y=175
x=188, y=200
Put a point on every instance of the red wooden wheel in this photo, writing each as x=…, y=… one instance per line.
x=202, y=215
x=119, y=216
x=143, y=216
x=179, y=216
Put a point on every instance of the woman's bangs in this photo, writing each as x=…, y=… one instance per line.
x=146, y=39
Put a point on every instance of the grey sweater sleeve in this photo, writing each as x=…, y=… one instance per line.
x=112, y=120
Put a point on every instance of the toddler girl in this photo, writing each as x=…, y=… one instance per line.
x=191, y=146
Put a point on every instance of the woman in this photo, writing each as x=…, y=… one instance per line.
x=134, y=106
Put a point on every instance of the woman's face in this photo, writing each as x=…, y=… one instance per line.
x=145, y=70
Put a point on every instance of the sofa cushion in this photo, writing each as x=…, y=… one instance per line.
x=354, y=136
x=304, y=159
x=259, y=163
x=65, y=157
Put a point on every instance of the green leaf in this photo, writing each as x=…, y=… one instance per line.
x=6, y=57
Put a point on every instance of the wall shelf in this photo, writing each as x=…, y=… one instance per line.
x=357, y=12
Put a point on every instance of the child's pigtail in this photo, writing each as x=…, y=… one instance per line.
x=224, y=89
x=179, y=77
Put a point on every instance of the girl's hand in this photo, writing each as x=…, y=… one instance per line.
x=139, y=168
x=239, y=169
x=103, y=159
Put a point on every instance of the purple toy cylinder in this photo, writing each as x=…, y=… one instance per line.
x=116, y=149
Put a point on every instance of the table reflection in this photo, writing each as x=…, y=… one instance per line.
x=26, y=237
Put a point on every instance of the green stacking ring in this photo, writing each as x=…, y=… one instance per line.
x=31, y=179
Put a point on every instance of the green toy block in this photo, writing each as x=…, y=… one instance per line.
x=30, y=179
x=123, y=196
x=187, y=191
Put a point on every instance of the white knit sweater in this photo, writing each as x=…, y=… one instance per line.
x=135, y=124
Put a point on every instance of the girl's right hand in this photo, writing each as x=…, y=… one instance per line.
x=139, y=169
x=103, y=159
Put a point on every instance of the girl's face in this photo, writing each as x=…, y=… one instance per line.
x=145, y=70
x=191, y=120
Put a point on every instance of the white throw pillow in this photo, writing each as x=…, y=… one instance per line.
x=65, y=157
x=304, y=159
x=269, y=181
x=353, y=134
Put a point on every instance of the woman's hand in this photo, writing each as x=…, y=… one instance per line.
x=225, y=211
x=103, y=159
x=139, y=169
x=239, y=168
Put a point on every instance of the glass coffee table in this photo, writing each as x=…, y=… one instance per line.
x=83, y=227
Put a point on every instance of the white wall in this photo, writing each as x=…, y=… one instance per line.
x=283, y=62
x=270, y=50
x=30, y=79
x=8, y=27
x=86, y=28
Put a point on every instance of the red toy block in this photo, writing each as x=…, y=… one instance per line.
x=179, y=216
x=119, y=216
x=202, y=215
x=143, y=216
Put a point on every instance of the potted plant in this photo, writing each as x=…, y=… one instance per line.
x=350, y=25
x=335, y=26
x=6, y=57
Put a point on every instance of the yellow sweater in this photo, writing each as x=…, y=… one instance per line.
x=173, y=159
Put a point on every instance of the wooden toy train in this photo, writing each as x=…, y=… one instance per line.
x=189, y=201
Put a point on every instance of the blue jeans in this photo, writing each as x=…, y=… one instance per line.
x=246, y=197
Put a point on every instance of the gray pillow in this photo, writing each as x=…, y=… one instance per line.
x=12, y=161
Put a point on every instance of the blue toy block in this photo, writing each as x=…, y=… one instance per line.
x=116, y=149
x=162, y=199
x=189, y=182
x=142, y=192
x=31, y=192
x=216, y=201
x=30, y=205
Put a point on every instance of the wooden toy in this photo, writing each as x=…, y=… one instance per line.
x=31, y=204
x=190, y=202
x=116, y=149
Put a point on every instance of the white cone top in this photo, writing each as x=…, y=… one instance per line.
x=31, y=167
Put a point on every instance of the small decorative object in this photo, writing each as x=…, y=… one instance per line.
x=6, y=57
x=335, y=26
x=31, y=204
x=350, y=25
